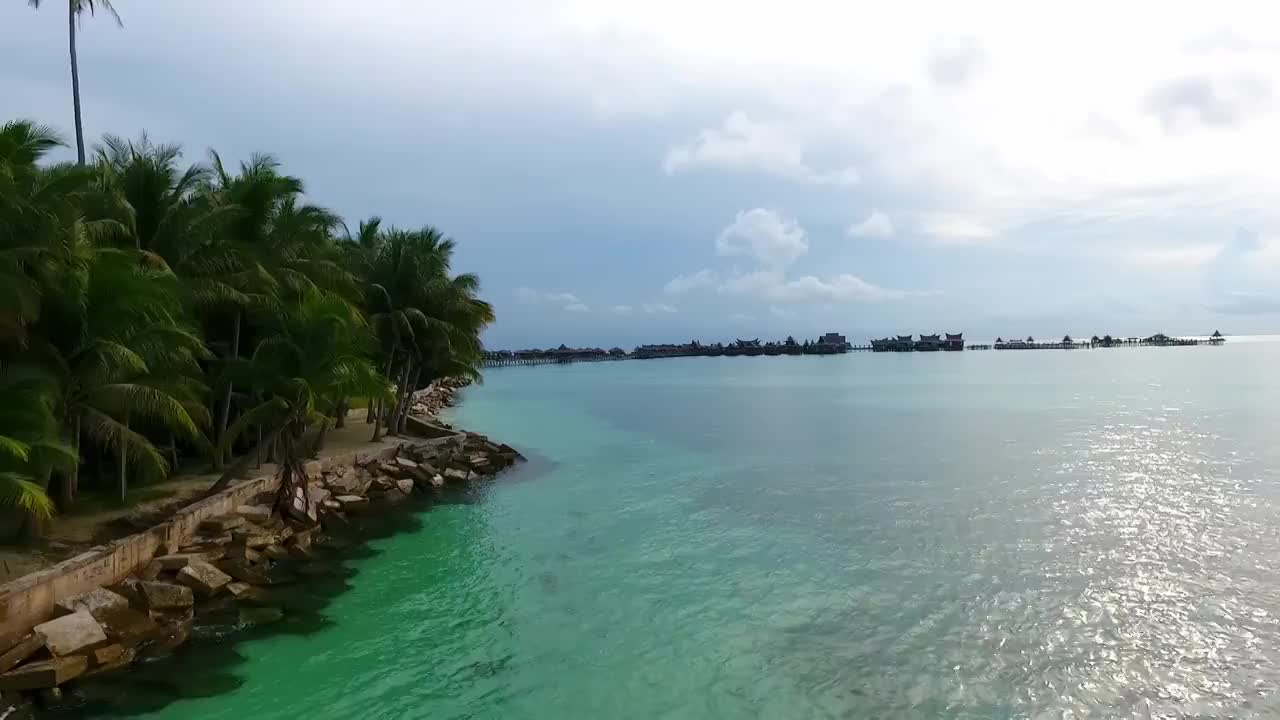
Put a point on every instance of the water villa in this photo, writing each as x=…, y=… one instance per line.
x=926, y=343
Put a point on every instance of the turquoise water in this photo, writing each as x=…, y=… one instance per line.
x=975, y=535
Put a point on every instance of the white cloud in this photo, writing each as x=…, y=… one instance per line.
x=1173, y=259
x=958, y=230
x=742, y=318
x=876, y=225
x=773, y=286
x=529, y=296
x=701, y=279
x=954, y=61
x=764, y=235
x=743, y=145
x=576, y=308
x=621, y=309
x=658, y=308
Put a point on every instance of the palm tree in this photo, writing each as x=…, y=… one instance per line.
x=75, y=10
x=29, y=443
x=315, y=353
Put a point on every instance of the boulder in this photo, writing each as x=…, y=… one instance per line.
x=71, y=634
x=127, y=626
x=91, y=602
x=206, y=540
x=244, y=572
x=126, y=657
x=150, y=571
x=255, y=513
x=46, y=674
x=302, y=538
x=178, y=561
x=352, y=503
x=203, y=578
x=242, y=552
x=25, y=648
x=437, y=481
x=106, y=655
x=222, y=524
x=404, y=463
x=332, y=505
x=164, y=597
x=238, y=589
x=455, y=475
x=312, y=469
x=405, y=486
x=128, y=589
x=353, y=484
x=302, y=554
x=210, y=553
x=253, y=537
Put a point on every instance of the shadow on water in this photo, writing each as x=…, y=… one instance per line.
x=206, y=665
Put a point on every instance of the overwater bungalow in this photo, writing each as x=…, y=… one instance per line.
x=928, y=343
x=954, y=342
x=1068, y=343
x=1216, y=338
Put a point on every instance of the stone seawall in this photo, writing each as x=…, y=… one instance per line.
x=31, y=599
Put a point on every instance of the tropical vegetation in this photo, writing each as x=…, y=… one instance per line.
x=155, y=312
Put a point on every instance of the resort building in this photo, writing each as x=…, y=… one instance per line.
x=953, y=342
x=928, y=343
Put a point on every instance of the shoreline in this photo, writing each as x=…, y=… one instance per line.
x=80, y=619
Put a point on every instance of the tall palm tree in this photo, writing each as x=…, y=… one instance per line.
x=75, y=10
x=29, y=443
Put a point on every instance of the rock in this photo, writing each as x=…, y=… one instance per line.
x=244, y=572
x=260, y=615
x=352, y=503
x=455, y=475
x=150, y=571
x=276, y=552
x=210, y=553
x=165, y=597
x=242, y=552
x=25, y=648
x=353, y=484
x=207, y=541
x=126, y=657
x=508, y=450
x=312, y=469
x=222, y=524
x=128, y=589
x=203, y=578
x=437, y=481
x=91, y=602
x=254, y=513
x=106, y=655
x=283, y=534
x=237, y=589
x=406, y=486
x=333, y=504
x=71, y=634
x=172, y=634
x=178, y=561
x=128, y=626
x=303, y=539
x=46, y=674
x=50, y=698
x=317, y=569
x=405, y=463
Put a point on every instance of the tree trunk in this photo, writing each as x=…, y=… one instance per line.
x=340, y=419
x=75, y=79
x=401, y=388
x=239, y=466
x=324, y=430
x=71, y=480
x=377, y=418
x=405, y=408
x=124, y=464
x=173, y=455
x=225, y=414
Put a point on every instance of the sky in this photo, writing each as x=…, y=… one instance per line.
x=621, y=173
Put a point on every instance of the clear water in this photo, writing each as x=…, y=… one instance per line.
x=974, y=535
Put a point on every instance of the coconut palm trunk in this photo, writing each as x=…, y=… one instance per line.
x=224, y=415
x=124, y=463
x=377, y=418
x=72, y=12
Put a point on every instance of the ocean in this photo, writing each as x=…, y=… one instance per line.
x=1067, y=534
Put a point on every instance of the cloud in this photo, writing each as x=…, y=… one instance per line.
x=621, y=309
x=658, y=308
x=741, y=144
x=773, y=286
x=1207, y=101
x=876, y=225
x=955, y=61
x=742, y=318
x=681, y=284
x=958, y=230
x=576, y=308
x=1171, y=259
x=764, y=235
x=778, y=312
x=529, y=296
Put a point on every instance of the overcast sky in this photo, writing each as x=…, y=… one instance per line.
x=627, y=172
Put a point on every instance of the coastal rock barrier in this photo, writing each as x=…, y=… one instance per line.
x=236, y=555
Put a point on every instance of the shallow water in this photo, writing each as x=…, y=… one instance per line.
x=976, y=535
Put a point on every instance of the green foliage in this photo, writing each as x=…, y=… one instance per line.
x=141, y=298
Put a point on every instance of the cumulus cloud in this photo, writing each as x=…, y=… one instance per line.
x=576, y=308
x=741, y=144
x=680, y=284
x=765, y=236
x=567, y=301
x=1208, y=101
x=876, y=225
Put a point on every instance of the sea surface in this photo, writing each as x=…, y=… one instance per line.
x=1065, y=534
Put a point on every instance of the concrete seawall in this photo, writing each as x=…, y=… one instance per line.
x=29, y=600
